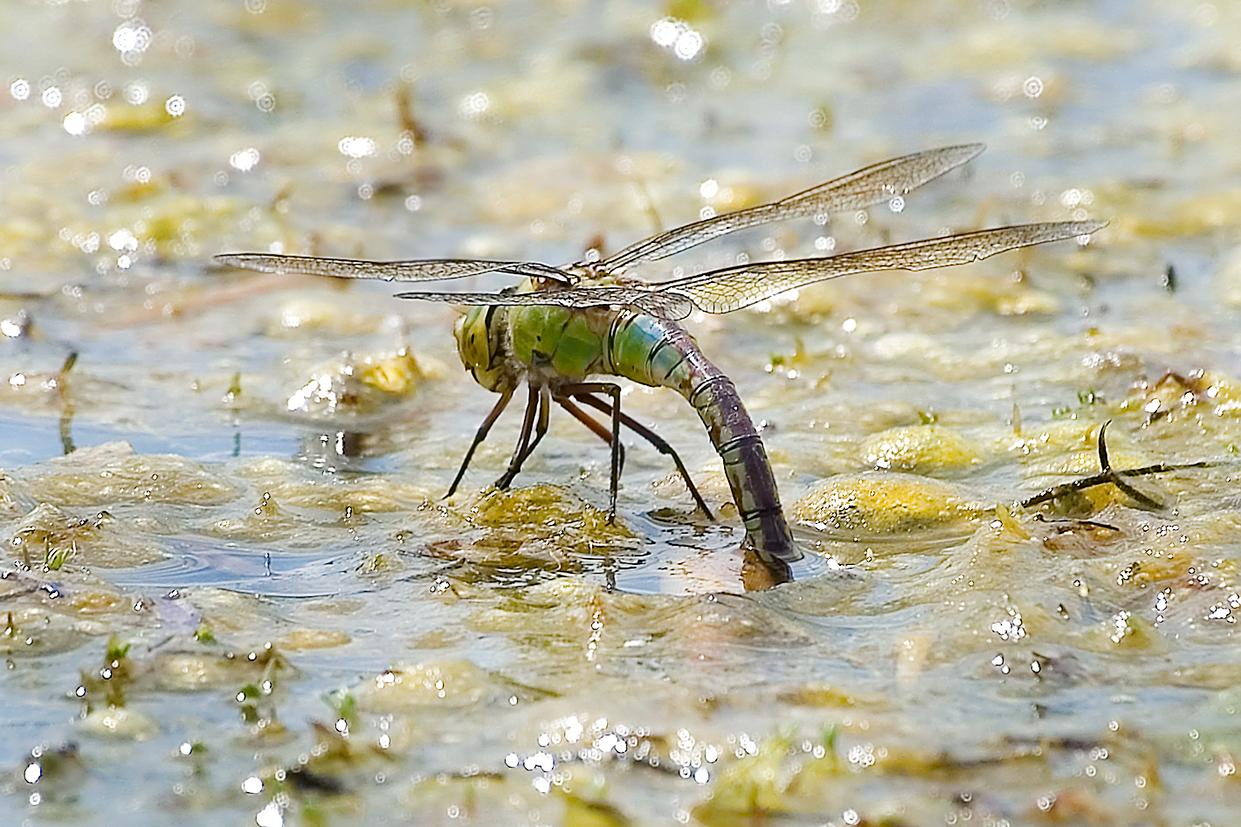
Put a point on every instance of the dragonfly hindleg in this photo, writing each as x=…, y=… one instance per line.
x=595, y=427
x=580, y=390
x=655, y=439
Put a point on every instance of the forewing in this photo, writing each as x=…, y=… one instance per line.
x=668, y=305
x=418, y=270
x=732, y=288
x=866, y=187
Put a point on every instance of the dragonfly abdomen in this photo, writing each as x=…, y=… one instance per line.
x=659, y=352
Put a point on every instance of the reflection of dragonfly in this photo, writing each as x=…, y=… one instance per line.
x=562, y=325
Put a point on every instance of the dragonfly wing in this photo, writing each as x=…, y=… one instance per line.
x=540, y=271
x=732, y=288
x=417, y=270
x=866, y=187
x=666, y=304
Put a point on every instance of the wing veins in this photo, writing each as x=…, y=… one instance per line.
x=665, y=304
x=732, y=288
x=435, y=269
x=857, y=190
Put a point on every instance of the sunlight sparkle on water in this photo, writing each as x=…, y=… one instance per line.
x=123, y=239
x=136, y=93
x=131, y=39
x=677, y=36
x=75, y=124
x=20, y=89
x=1075, y=197
x=33, y=772
x=1010, y=628
x=474, y=105
x=135, y=174
x=244, y=160
x=270, y=816
x=353, y=146
x=263, y=99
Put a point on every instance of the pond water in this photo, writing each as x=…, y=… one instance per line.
x=234, y=592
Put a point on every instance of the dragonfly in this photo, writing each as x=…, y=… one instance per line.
x=562, y=327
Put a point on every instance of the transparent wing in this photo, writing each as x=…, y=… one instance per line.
x=418, y=270
x=876, y=183
x=732, y=288
x=665, y=304
x=872, y=185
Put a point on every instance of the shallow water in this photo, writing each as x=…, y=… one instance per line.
x=234, y=594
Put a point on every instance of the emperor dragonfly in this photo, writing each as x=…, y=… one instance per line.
x=562, y=325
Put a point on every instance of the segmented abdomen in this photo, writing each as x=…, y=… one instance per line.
x=662, y=353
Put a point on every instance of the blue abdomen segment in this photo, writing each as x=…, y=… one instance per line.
x=658, y=352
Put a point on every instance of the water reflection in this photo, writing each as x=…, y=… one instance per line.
x=351, y=450
x=247, y=570
x=337, y=451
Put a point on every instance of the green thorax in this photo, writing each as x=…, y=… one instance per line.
x=499, y=344
x=575, y=343
x=560, y=341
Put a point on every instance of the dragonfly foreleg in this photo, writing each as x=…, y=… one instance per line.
x=656, y=440
x=483, y=429
x=536, y=408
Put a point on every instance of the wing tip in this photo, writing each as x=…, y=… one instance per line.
x=971, y=150
x=242, y=261
x=1090, y=226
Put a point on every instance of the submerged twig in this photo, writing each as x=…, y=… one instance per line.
x=1116, y=477
x=66, y=403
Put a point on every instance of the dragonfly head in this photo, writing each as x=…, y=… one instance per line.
x=479, y=335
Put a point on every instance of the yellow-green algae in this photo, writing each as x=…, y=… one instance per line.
x=112, y=473
x=923, y=449
x=885, y=504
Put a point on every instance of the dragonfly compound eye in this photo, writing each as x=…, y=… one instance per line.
x=479, y=342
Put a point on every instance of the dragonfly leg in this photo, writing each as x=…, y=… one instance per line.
x=596, y=427
x=540, y=428
x=613, y=390
x=656, y=440
x=483, y=430
x=536, y=407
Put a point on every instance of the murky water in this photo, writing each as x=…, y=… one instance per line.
x=233, y=593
